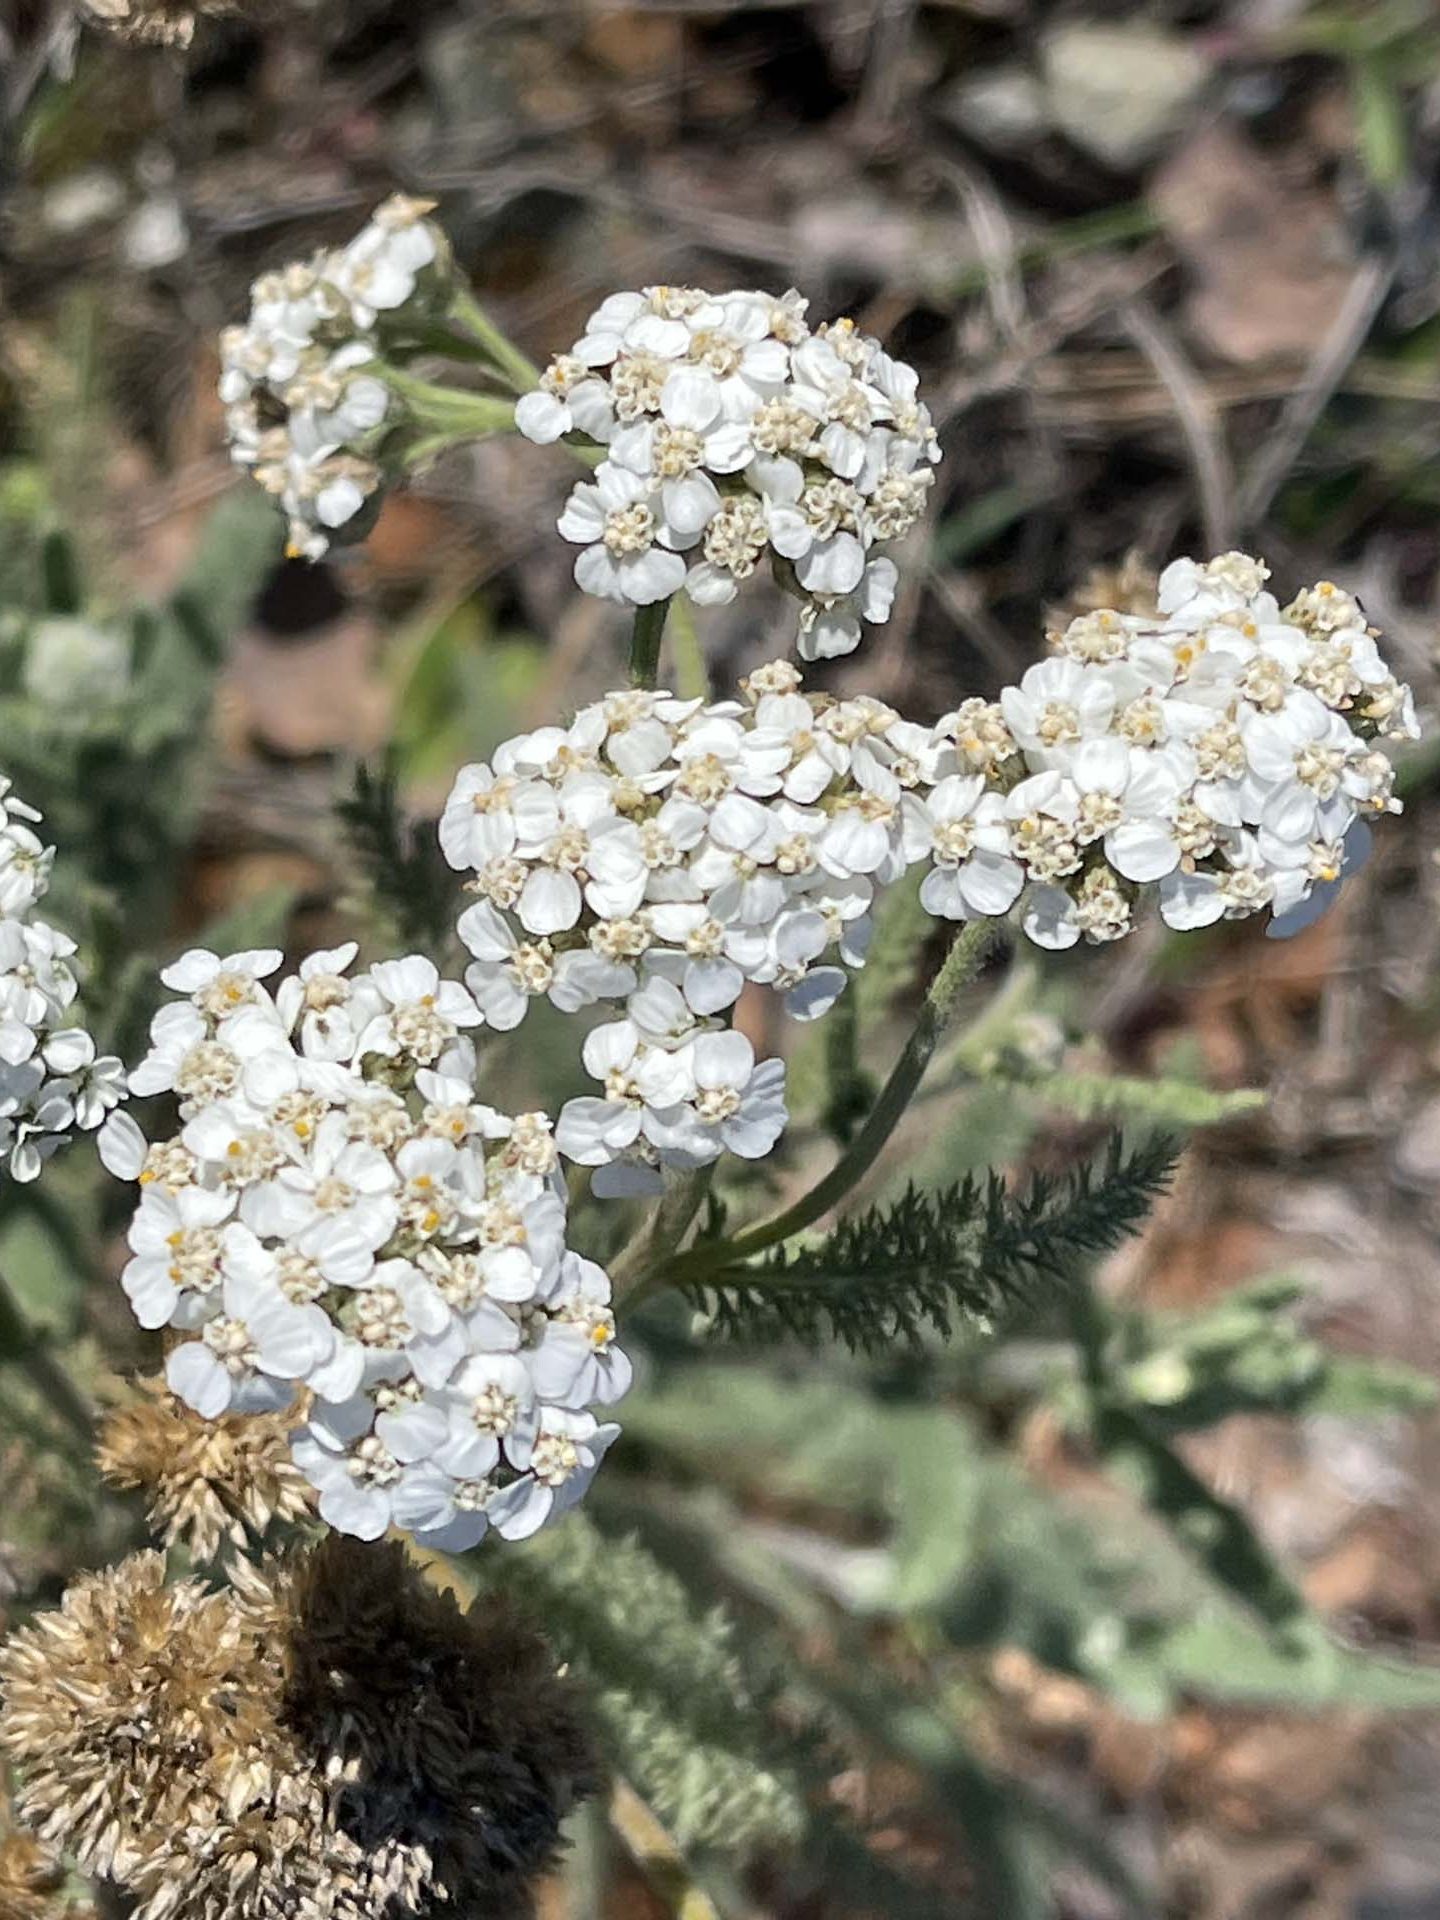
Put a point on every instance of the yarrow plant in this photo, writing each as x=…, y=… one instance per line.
x=359, y=1259
x=1227, y=752
x=732, y=433
x=305, y=411
x=654, y=857
x=52, y=1081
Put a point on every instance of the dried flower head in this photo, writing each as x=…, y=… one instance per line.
x=449, y=1735
x=32, y=1883
x=165, y=23
x=116, y=1706
x=208, y=1481
x=332, y=1740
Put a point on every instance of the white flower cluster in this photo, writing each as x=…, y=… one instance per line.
x=732, y=430
x=338, y=1212
x=302, y=411
x=660, y=853
x=1224, y=750
x=51, y=1081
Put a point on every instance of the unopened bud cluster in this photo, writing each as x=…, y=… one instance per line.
x=338, y=1212
x=51, y=1081
x=733, y=434
x=305, y=409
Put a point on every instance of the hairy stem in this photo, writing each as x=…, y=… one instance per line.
x=517, y=372
x=957, y=969
x=22, y=1346
x=645, y=643
x=454, y=411
x=660, y=1237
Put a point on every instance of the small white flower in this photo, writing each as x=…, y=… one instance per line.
x=973, y=871
x=508, y=972
x=558, y=1454
x=736, y=1106
x=251, y=1353
x=830, y=623
x=378, y=270
x=629, y=553
x=1057, y=704
x=416, y=1013
x=318, y=998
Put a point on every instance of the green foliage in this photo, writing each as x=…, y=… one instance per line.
x=928, y=1260
x=682, y=1718
x=1179, y=1599
x=1165, y=1102
x=1247, y=1353
x=103, y=713
x=460, y=687
x=412, y=886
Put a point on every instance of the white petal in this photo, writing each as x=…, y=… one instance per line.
x=541, y=417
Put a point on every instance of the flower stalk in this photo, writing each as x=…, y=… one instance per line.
x=517, y=372
x=462, y=414
x=959, y=967
x=648, y=631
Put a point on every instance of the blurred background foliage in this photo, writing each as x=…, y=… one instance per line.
x=1123, y=1599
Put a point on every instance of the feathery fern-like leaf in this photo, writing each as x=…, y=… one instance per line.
x=928, y=1260
x=406, y=870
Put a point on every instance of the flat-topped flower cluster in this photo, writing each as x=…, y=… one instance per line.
x=1226, y=751
x=51, y=1081
x=304, y=408
x=660, y=853
x=732, y=432
x=339, y=1213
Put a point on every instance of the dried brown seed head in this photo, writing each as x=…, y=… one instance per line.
x=330, y=1739
x=210, y=1482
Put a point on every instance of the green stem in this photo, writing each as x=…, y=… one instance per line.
x=454, y=411
x=692, y=681
x=510, y=363
x=645, y=644
x=22, y=1345
x=661, y=1235
x=957, y=970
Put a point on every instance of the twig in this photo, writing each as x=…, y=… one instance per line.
x=890, y=32
x=960, y=597
x=1347, y=334
x=1214, y=479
